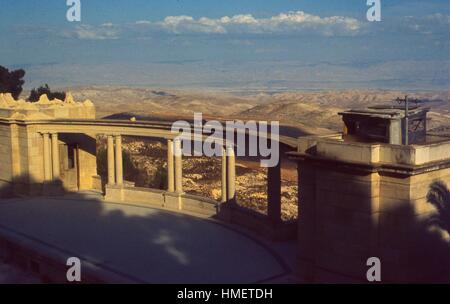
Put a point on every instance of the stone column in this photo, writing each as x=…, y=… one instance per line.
x=274, y=193
x=231, y=174
x=178, y=166
x=55, y=157
x=119, y=161
x=224, y=176
x=111, y=174
x=170, y=167
x=15, y=152
x=47, y=162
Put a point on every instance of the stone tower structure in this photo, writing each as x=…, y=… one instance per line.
x=362, y=198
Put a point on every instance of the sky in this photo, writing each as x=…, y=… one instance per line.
x=241, y=44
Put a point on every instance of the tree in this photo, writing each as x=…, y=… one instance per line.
x=11, y=82
x=36, y=93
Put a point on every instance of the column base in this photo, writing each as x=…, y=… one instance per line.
x=114, y=192
x=173, y=200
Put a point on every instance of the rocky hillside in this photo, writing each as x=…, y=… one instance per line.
x=202, y=176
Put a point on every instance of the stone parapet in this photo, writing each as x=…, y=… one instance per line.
x=334, y=148
x=162, y=199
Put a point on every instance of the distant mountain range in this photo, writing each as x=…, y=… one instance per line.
x=247, y=77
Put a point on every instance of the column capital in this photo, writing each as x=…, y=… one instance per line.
x=229, y=150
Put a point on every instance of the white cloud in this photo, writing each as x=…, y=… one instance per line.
x=106, y=31
x=285, y=23
x=187, y=24
x=290, y=23
x=434, y=24
x=107, y=24
x=143, y=22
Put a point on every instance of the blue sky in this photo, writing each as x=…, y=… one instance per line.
x=272, y=41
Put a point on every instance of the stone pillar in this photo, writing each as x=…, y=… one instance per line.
x=47, y=163
x=111, y=174
x=119, y=161
x=224, y=176
x=170, y=167
x=231, y=174
x=274, y=193
x=55, y=157
x=15, y=152
x=395, y=132
x=178, y=166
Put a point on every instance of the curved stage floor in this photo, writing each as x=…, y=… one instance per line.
x=142, y=244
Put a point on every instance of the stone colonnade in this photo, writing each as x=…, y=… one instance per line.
x=174, y=170
x=228, y=178
x=52, y=170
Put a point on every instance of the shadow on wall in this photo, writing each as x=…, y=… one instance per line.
x=141, y=244
x=25, y=185
x=439, y=197
x=337, y=232
x=423, y=240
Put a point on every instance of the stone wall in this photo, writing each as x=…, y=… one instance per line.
x=338, y=215
x=352, y=207
x=412, y=247
x=6, y=163
x=87, y=157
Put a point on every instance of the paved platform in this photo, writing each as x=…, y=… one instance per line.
x=141, y=244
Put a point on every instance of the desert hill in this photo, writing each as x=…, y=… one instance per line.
x=309, y=112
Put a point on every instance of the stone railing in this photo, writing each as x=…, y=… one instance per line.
x=148, y=197
x=334, y=148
